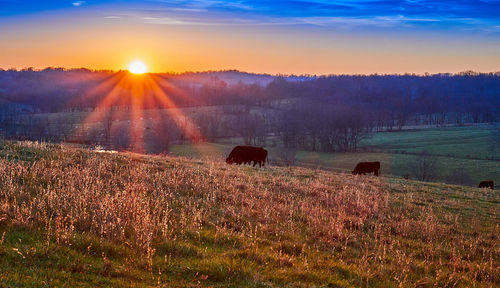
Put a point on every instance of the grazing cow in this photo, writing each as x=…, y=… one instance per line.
x=367, y=167
x=487, y=184
x=247, y=154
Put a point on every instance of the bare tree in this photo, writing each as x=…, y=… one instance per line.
x=107, y=124
x=249, y=124
x=121, y=138
x=161, y=137
x=424, y=167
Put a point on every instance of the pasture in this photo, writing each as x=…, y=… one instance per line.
x=458, y=142
x=465, y=149
x=454, y=147
x=73, y=217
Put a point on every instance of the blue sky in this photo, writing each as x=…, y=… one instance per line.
x=472, y=15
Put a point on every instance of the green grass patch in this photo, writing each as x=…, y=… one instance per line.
x=77, y=218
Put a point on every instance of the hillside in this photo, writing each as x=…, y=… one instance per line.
x=72, y=217
x=463, y=154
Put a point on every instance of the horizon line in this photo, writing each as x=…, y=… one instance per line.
x=286, y=75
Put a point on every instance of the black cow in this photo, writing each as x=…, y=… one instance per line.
x=487, y=184
x=367, y=167
x=247, y=154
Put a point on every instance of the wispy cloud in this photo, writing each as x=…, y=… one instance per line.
x=480, y=15
x=443, y=14
x=78, y=3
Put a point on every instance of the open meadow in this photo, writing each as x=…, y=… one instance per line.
x=465, y=148
x=73, y=217
x=463, y=154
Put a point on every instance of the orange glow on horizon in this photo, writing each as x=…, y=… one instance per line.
x=91, y=44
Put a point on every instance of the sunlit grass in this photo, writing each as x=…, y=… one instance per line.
x=82, y=218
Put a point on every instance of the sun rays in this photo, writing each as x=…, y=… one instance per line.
x=135, y=105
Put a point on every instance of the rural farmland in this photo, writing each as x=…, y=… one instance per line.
x=464, y=154
x=120, y=219
x=250, y=143
x=459, y=149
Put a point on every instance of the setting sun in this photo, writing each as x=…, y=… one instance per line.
x=137, y=67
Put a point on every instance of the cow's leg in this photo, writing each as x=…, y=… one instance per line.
x=254, y=163
x=260, y=164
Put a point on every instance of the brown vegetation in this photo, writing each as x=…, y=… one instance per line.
x=290, y=221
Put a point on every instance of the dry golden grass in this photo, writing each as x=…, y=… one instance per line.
x=274, y=226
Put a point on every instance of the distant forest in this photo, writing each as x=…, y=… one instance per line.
x=329, y=113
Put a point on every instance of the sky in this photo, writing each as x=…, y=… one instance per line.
x=262, y=36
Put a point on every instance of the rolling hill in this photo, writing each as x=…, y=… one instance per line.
x=74, y=217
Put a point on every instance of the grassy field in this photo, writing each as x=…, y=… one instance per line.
x=397, y=151
x=466, y=148
x=473, y=141
x=72, y=217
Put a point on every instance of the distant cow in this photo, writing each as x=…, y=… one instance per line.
x=367, y=167
x=247, y=154
x=487, y=184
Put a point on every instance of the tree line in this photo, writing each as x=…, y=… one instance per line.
x=327, y=113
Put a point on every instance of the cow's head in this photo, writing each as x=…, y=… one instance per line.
x=353, y=172
x=229, y=160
